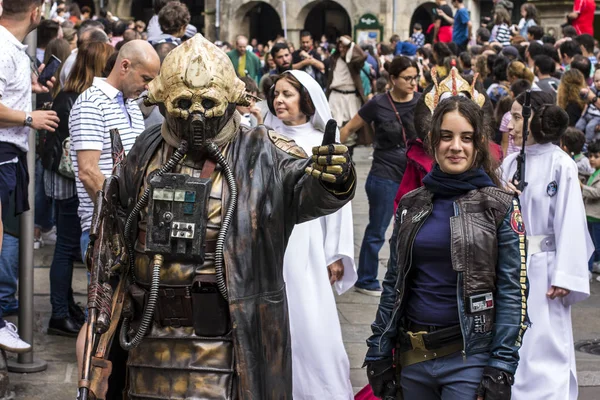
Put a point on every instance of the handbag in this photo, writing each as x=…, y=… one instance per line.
x=65, y=165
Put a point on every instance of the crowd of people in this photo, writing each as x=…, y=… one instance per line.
x=486, y=256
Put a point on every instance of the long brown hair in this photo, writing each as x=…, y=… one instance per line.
x=474, y=115
x=571, y=83
x=89, y=63
x=60, y=49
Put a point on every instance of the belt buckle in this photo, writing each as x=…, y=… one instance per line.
x=416, y=340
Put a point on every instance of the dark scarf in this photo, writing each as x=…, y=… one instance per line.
x=443, y=184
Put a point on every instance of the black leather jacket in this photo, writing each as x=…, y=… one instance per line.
x=488, y=255
x=274, y=194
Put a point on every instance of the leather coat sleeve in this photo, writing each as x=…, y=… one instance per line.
x=381, y=345
x=306, y=197
x=357, y=59
x=512, y=288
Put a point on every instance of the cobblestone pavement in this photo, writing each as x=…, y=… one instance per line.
x=356, y=312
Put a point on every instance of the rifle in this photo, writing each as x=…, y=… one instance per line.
x=519, y=177
x=106, y=259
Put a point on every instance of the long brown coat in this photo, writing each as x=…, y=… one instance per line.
x=274, y=194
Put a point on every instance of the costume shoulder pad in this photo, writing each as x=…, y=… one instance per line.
x=286, y=144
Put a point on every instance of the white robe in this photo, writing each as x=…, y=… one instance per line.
x=320, y=365
x=547, y=366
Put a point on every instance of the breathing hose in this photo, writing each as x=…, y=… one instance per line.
x=226, y=221
x=157, y=261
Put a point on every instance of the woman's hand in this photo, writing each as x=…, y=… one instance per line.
x=555, y=292
x=255, y=111
x=335, y=271
x=510, y=187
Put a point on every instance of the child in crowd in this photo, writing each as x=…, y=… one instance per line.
x=572, y=142
x=589, y=122
x=418, y=38
x=591, y=199
x=252, y=116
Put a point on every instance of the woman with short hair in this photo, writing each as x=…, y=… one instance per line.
x=391, y=115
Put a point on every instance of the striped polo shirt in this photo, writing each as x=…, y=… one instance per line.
x=95, y=112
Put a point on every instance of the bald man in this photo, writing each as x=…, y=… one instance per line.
x=246, y=63
x=108, y=104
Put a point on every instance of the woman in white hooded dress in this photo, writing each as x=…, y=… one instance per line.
x=558, y=251
x=319, y=253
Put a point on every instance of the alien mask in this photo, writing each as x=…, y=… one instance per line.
x=199, y=89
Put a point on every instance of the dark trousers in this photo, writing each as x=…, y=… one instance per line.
x=594, y=228
x=444, y=378
x=67, y=251
x=43, y=217
x=380, y=193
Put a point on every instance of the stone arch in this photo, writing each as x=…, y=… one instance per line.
x=328, y=17
x=257, y=19
x=423, y=14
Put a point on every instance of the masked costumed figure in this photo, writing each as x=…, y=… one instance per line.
x=210, y=207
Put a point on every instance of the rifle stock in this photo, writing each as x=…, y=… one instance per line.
x=105, y=259
x=519, y=177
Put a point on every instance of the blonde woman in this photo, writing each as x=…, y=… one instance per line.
x=568, y=97
x=517, y=70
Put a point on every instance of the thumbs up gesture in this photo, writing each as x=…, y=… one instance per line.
x=330, y=161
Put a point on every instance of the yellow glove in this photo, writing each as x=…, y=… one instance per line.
x=330, y=161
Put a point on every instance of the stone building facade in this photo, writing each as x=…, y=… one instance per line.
x=265, y=19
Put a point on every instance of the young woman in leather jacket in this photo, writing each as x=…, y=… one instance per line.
x=453, y=310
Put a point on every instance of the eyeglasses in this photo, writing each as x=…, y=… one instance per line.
x=410, y=79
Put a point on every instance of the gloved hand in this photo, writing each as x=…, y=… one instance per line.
x=381, y=375
x=331, y=161
x=495, y=384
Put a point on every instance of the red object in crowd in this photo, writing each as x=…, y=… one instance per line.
x=585, y=22
x=365, y=394
x=445, y=34
x=418, y=164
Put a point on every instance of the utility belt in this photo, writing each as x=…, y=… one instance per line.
x=199, y=305
x=540, y=244
x=417, y=343
x=345, y=91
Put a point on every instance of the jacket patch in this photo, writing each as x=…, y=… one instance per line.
x=286, y=144
x=516, y=222
x=552, y=188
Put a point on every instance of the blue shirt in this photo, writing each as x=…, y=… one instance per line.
x=405, y=49
x=460, y=30
x=432, y=281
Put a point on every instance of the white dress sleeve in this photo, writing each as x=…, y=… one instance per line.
x=574, y=246
x=339, y=244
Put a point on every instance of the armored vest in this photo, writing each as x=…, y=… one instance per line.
x=188, y=351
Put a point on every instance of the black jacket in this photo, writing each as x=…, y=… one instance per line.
x=489, y=257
